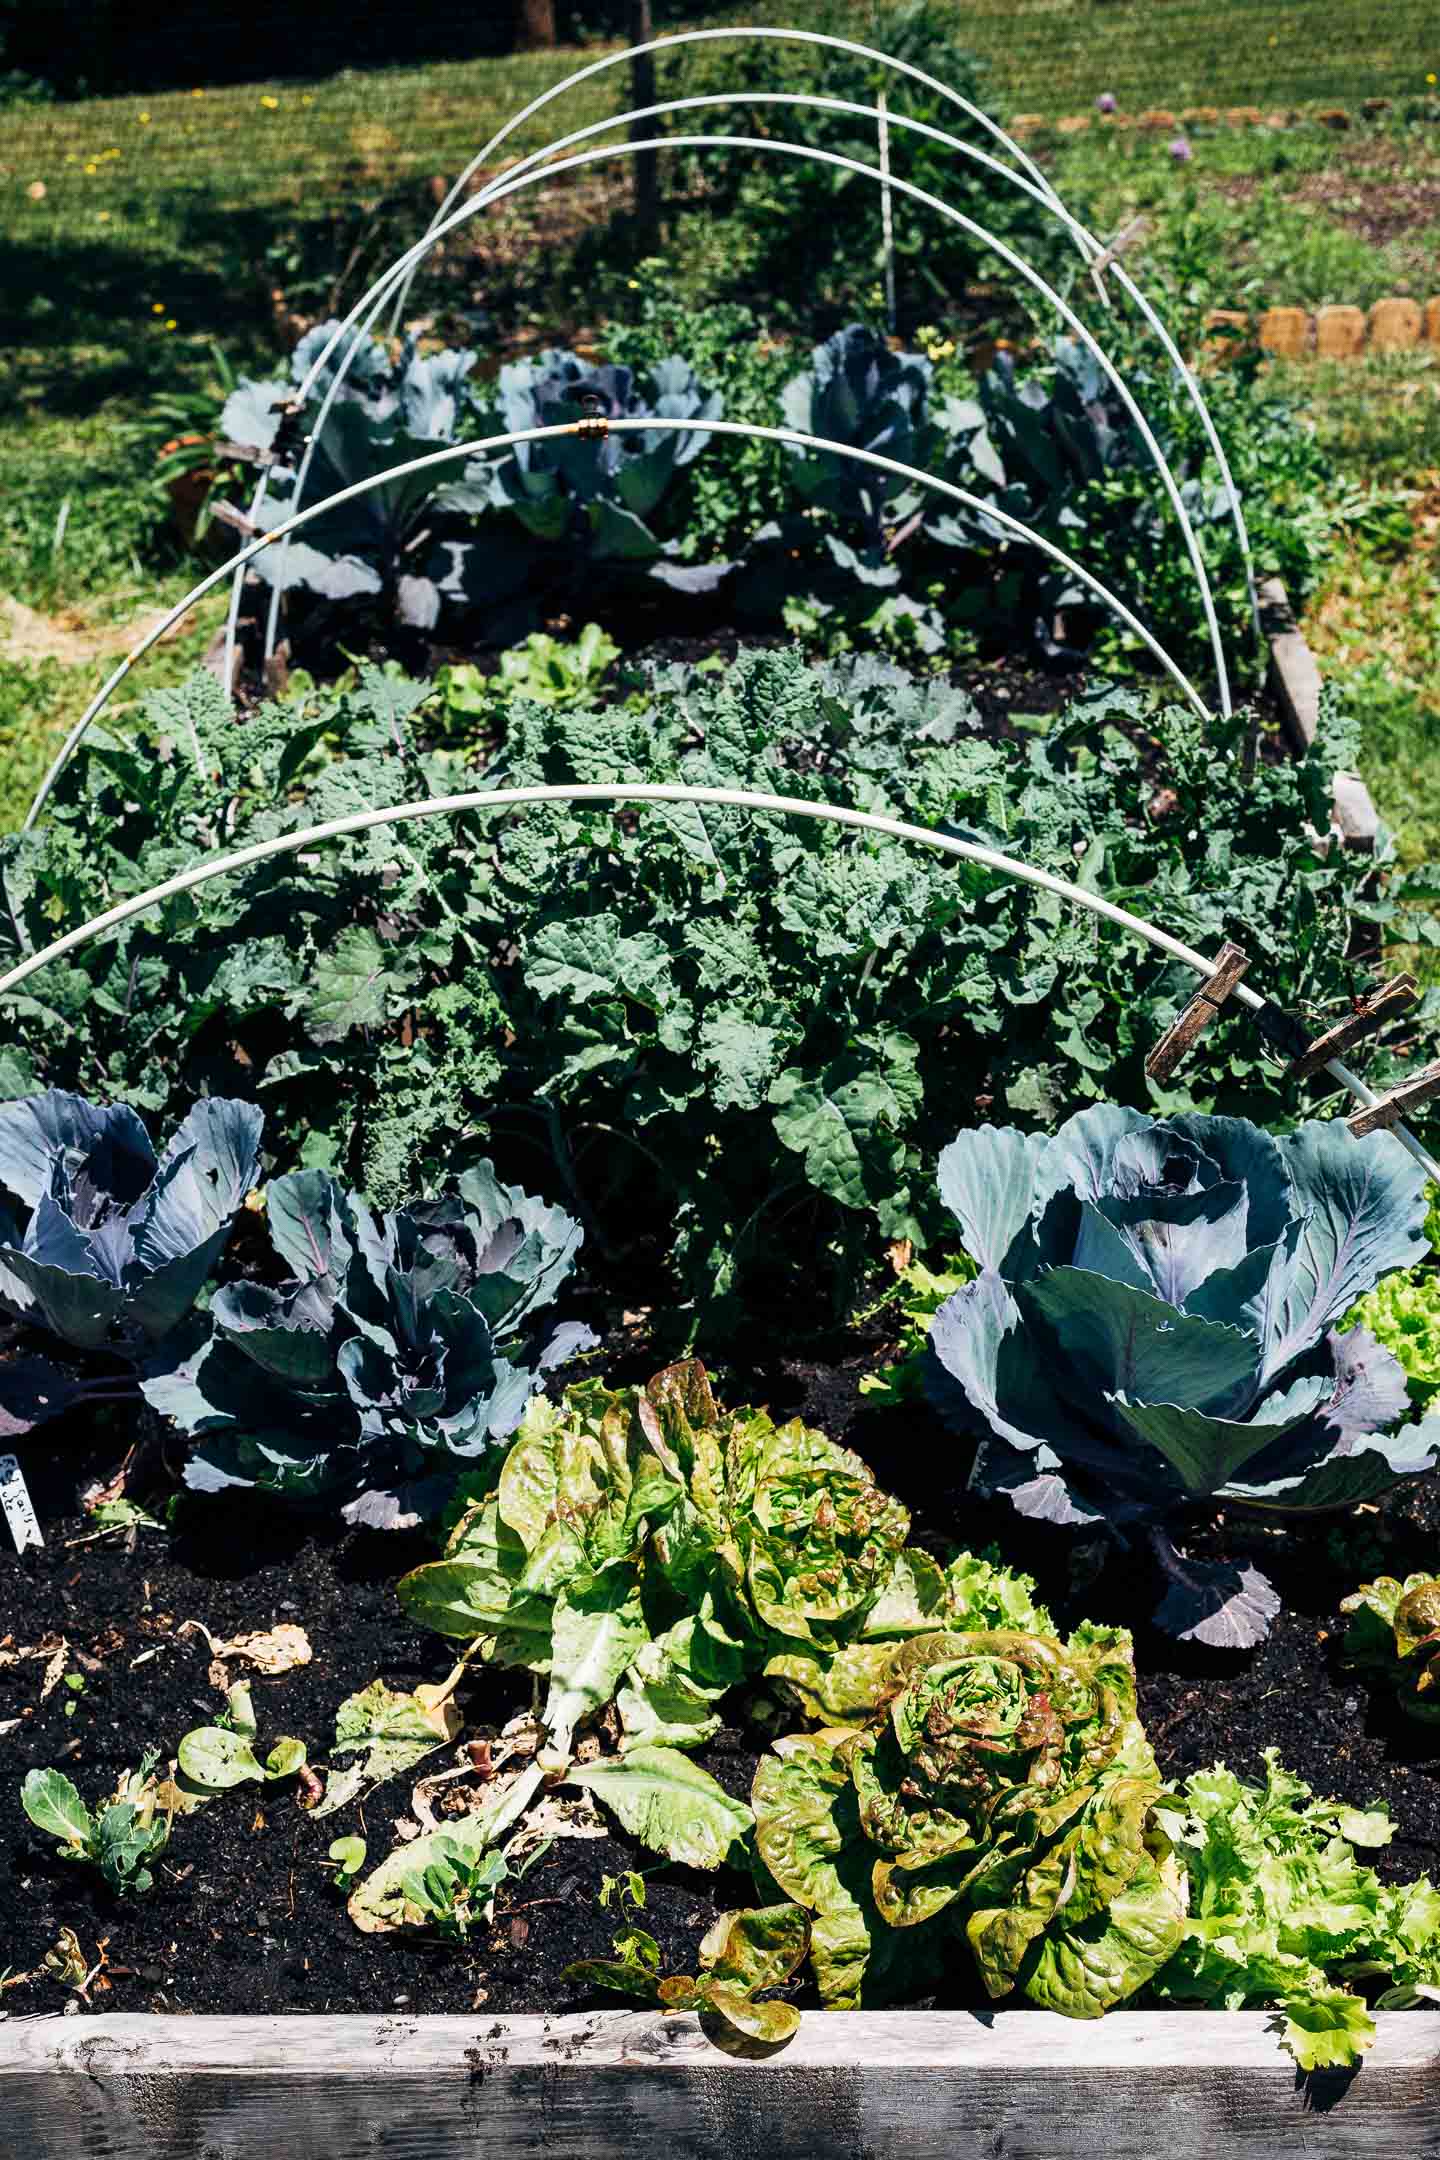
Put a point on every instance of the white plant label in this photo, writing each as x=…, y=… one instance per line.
x=15, y=1500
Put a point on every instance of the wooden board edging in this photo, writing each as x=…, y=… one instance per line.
x=1297, y=683
x=648, y=2085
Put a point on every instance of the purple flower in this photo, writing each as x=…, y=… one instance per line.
x=1180, y=150
x=1106, y=102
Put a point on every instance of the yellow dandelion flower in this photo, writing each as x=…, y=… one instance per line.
x=157, y=307
x=103, y=217
x=144, y=119
x=271, y=104
x=197, y=93
x=306, y=99
x=92, y=168
x=170, y=325
x=1430, y=78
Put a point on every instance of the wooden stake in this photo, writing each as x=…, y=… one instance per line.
x=1370, y=1014
x=1199, y=1013
x=640, y=30
x=1392, y=1107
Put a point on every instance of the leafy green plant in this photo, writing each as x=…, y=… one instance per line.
x=1281, y=1912
x=384, y=1733
x=213, y=1759
x=593, y=499
x=398, y=549
x=741, y=1955
x=920, y=1292
x=649, y=1551
x=999, y=1788
x=119, y=1244
x=1403, y=1314
x=735, y=1045
x=453, y=1886
x=544, y=670
x=666, y=1549
x=403, y=1346
x=1152, y=1326
x=119, y=1839
x=348, y=1854
x=1394, y=1630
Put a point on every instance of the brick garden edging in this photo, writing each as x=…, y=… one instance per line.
x=1331, y=333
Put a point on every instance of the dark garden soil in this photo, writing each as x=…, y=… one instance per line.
x=245, y=1915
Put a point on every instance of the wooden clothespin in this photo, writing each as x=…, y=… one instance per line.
x=1370, y=1014
x=1127, y=237
x=1198, y=1014
x=1380, y=1116
x=595, y=426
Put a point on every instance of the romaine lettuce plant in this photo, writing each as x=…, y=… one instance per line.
x=1152, y=1327
x=119, y=1244
x=403, y=1347
x=723, y=1546
x=1001, y=1790
x=1395, y=1630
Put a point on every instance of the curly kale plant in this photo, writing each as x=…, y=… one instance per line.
x=1153, y=1326
x=594, y=498
x=398, y=547
x=404, y=1346
x=1395, y=1630
x=119, y=1244
x=1000, y=1790
x=743, y=1040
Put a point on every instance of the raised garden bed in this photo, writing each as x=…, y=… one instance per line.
x=829, y=1746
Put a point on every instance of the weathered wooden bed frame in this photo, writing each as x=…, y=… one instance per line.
x=639, y=2085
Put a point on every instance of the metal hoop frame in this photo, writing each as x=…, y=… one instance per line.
x=672, y=792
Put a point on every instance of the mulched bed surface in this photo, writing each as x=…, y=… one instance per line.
x=245, y=1916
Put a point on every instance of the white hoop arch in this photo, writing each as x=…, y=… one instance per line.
x=675, y=39
x=653, y=423
x=1088, y=243
x=768, y=146
x=671, y=792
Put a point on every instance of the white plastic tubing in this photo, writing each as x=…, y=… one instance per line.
x=667, y=792
x=1090, y=247
x=650, y=423
x=767, y=146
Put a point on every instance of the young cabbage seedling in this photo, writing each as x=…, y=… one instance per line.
x=119, y=1838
